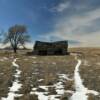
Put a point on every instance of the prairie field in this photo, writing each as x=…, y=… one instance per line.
x=49, y=77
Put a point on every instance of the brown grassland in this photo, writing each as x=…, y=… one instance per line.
x=46, y=68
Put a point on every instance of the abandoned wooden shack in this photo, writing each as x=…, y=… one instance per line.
x=51, y=48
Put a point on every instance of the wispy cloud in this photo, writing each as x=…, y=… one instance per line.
x=81, y=27
x=78, y=23
x=61, y=7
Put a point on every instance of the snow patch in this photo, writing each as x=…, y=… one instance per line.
x=34, y=62
x=40, y=80
x=34, y=57
x=98, y=63
x=14, y=63
x=59, y=88
x=44, y=88
x=86, y=63
x=2, y=60
x=54, y=63
x=16, y=85
x=65, y=76
x=5, y=58
x=81, y=90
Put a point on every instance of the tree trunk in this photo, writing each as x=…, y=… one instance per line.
x=15, y=50
x=24, y=47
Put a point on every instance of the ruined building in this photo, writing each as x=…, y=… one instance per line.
x=51, y=48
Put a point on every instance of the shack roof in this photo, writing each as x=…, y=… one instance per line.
x=57, y=44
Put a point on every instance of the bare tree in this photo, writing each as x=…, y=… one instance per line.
x=16, y=35
x=1, y=35
x=23, y=40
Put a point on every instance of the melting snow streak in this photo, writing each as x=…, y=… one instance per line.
x=15, y=85
x=81, y=91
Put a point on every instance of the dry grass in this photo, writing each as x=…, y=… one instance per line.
x=90, y=71
x=46, y=68
x=6, y=72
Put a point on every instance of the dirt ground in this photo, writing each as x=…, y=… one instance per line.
x=45, y=70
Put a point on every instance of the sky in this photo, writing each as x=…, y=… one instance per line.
x=77, y=21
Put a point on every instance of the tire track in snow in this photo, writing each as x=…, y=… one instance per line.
x=81, y=90
x=15, y=85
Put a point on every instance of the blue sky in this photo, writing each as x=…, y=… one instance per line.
x=50, y=20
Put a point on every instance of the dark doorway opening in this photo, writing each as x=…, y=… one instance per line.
x=42, y=52
x=58, y=52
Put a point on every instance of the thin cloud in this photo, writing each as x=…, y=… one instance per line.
x=61, y=7
x=79, y=28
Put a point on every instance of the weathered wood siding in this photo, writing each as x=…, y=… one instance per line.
x=51, y=48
